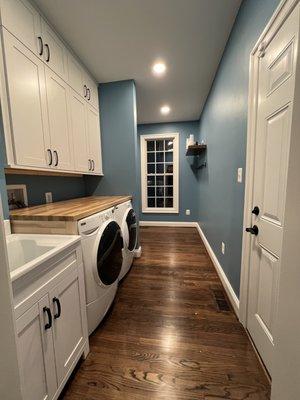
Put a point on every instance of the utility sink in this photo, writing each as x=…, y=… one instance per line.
x=26, y=252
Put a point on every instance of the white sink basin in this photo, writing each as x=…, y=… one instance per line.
x=26, y=252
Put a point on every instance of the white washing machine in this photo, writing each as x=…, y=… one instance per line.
x=102, y=247
x=126, y=218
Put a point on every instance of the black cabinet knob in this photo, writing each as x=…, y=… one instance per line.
x=255, y=210
x=253, y=230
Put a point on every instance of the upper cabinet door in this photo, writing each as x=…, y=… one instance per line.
x=92, y=91
x=27, y=102
x=55, y=53
x=94, y=138
x=35, y=350
x=23, y=21
x=76, y=76
x=59, y=121
x=67, y=324
x=79, y=134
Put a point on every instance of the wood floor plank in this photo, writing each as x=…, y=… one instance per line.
x=170, y=334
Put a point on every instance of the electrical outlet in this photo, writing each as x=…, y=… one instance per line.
x=48, y=197
x=240, y=175
x=187, y=212
x=223, y=248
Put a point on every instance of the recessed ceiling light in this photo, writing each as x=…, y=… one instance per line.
x=165, y=110
x=159, y=68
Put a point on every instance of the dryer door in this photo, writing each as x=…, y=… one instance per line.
x=131, y=227
x=109, y=254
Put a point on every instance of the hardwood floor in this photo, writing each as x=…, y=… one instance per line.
x=170, y=334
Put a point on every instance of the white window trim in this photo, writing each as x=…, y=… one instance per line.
x=162, y=136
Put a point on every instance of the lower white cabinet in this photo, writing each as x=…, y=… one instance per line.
x=67, y=328
x=36, y=356
x=51, y=324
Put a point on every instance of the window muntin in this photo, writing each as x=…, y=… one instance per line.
x=160, y=173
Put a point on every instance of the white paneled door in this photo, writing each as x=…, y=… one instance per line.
x=276, y=80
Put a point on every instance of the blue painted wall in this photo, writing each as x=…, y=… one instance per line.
x=223, y=124
x=62, y=187
x=188, y=178
x=119, y=142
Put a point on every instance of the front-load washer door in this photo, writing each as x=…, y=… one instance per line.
x=109, y=254
x=131, y=227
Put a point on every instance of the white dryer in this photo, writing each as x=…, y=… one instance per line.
x=102, y=247
x=126, y=218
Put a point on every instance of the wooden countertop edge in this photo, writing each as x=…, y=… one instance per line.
x=70, y=218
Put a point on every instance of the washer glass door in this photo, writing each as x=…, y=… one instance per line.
x=109, y=255
x=132, y=229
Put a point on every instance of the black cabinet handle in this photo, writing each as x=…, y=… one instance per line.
x=48, y=52
x=57, y=302
x=89, y=93
x=90, y=164
x=56, y=155
x=41, y=45
x=255, y=210
x=50, y=158
x=93, y=163
x=253, y=230
x=49, y=315
x=85, y=91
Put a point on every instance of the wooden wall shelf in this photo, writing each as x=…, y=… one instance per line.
x=195, y=150
x=20, y=171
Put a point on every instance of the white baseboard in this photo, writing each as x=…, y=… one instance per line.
x=225, y=282
x=182, y=224
x=138, y=252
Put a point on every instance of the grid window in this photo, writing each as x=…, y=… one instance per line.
x=159, y=159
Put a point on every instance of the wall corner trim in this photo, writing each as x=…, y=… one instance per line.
x=225, y=282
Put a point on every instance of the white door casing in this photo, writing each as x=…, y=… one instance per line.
x=271, y=127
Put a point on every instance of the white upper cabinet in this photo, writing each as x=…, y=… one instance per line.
x=81, y=82
x=94, y=138
x=21, y=19
x=79, y=132
x=59, y=121
x=42, y=116
x=92, y=91
x=27, y=101
x=54, y=51
x=76, y=75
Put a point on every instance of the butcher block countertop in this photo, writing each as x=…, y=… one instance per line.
x=69, y=210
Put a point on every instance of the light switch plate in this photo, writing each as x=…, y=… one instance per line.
x=187, y=212
x=48, y=197
x=223, y=248
x=240, y=175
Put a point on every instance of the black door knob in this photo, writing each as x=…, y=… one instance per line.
x=255, y=210
x=254, y=230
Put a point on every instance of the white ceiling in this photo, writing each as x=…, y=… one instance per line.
x=120, y=39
